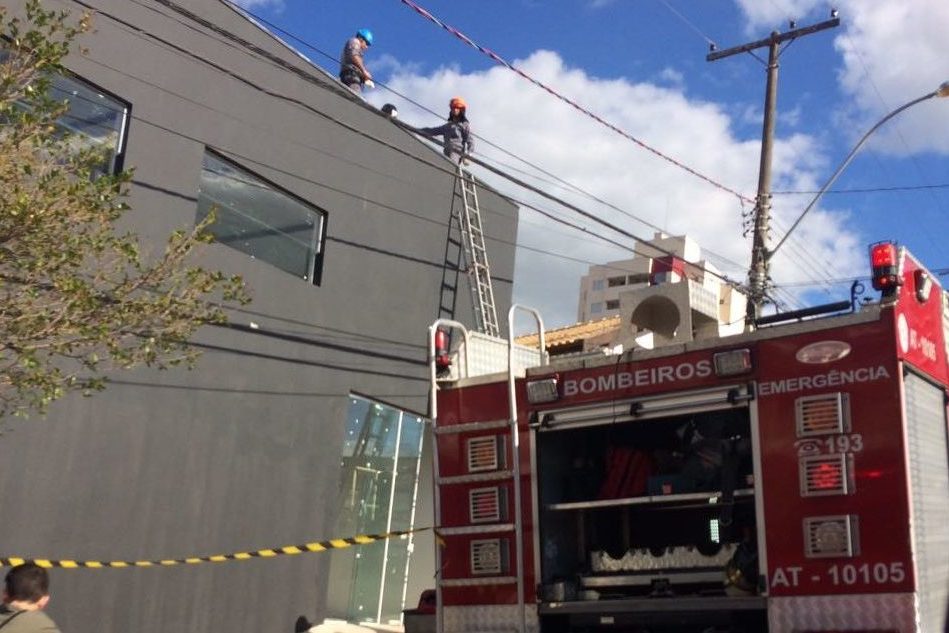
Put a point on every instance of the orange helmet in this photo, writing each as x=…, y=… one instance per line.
x=457, y=102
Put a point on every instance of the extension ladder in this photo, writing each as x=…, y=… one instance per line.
x=476, y=257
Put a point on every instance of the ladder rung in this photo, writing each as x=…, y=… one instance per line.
x=476, y=257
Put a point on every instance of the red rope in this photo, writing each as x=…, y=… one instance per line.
x=497, y=58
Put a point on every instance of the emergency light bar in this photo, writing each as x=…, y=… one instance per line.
x=884, y=264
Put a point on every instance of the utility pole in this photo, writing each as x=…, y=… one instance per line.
x=758, y=270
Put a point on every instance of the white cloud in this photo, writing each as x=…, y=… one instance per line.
x=892, y=52
x=524, y=119
x=776, y=13
x=671, y=77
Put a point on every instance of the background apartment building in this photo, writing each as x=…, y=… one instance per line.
x=665, y=290
x=601, y=286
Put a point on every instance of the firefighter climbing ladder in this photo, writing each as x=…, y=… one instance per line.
x=476, y=257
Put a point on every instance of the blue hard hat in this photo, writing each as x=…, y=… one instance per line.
x=365, y=34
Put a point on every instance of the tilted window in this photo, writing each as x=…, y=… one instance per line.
x=257, y=218
x=93, y=117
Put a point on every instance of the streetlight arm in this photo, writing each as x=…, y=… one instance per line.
x=942, y=91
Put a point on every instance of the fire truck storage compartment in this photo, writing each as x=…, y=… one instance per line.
x=644, y=509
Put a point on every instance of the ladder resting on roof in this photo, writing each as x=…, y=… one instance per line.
x=476, y=257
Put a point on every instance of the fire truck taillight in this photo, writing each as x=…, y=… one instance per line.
x=824, y=475
x=831, y=536
x=884, y=265
x=732, y=362
x=545, y=390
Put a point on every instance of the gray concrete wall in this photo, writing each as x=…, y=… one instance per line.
x=242, y=452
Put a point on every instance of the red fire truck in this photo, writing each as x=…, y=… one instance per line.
x=793, y=478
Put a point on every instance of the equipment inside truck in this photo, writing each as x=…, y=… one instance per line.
x=640, y=510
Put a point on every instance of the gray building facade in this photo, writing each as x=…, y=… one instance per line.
x=303, y=418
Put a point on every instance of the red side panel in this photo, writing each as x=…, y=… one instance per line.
x=919, y=329
x=869, y=375
x=478, y=404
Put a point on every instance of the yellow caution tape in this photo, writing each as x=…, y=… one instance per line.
x=287, y=550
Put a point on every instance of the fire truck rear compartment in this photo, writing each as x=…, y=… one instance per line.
x=634, y=513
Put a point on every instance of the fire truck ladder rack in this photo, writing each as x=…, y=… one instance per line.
x=513, y=474
x=476, y=256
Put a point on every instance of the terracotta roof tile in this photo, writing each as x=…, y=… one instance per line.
x=571, y=333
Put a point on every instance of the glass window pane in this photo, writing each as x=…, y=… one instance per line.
x=256, y=218
x=94, y=117
x=379, y=483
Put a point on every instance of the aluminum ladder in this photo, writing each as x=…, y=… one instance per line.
x=476, y=257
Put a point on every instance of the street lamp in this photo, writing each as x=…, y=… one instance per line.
x=941, y=91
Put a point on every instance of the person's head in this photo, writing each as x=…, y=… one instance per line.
x=457, y=108
x=27, y=585
x=365, y=35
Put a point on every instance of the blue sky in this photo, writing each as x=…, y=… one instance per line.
x=640, y=65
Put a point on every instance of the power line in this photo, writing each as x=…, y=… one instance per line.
x=347, y=126
x=444, y=169
x=256, y=392
x=866, y=190
x=804, y=260
x=494, y=56
x=421, y=106
x=688, y=23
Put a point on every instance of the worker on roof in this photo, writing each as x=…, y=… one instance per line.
x=352, y=69
x=456, y=132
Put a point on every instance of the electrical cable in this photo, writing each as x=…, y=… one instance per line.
x=299, y=40
x=356, y=130
x=866, y=190
x=496, y=171
x=935, y=211
x=689, y=23
x=416, y=216
x=330, y=57
x=444, y=169
x=227, y=34
x=257, y=392
x=494, y=56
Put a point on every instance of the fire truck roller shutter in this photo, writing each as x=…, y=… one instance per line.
x=929, y=487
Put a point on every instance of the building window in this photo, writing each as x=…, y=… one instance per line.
x=379, y=487
x=257, y=218
x=617, y=281
x=639, y=278
x=598, y=284
x=612, y=304
x=596, y=308
x=96, y=119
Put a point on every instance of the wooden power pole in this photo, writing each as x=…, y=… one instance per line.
x=758, y=271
